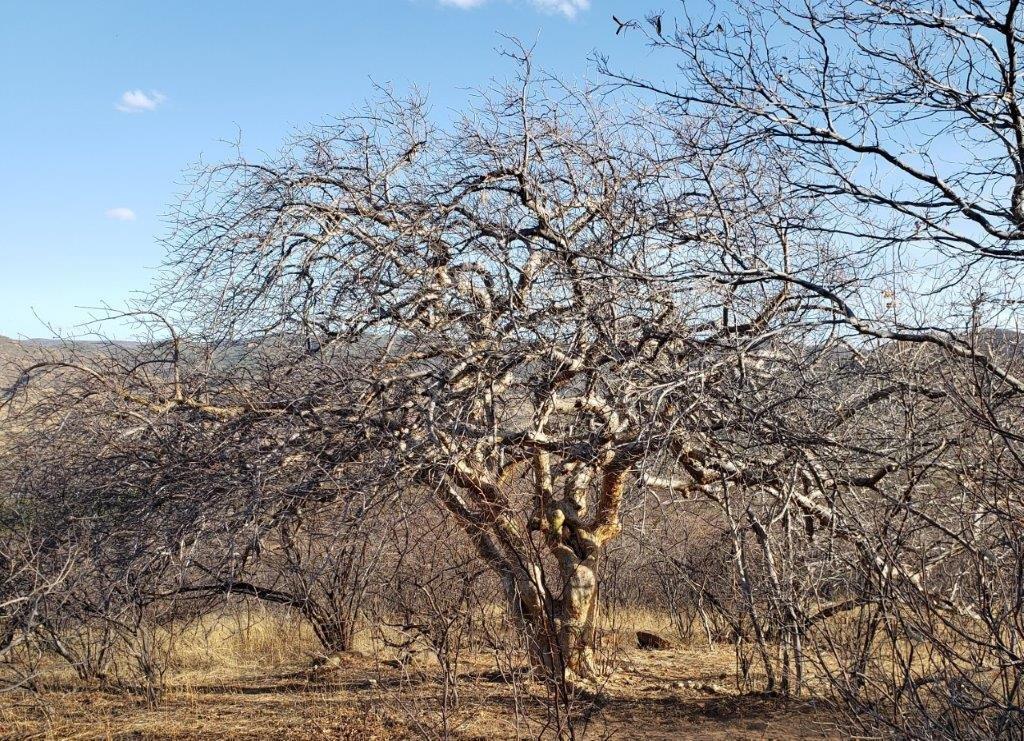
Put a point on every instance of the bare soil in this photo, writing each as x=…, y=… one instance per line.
x=680, y=693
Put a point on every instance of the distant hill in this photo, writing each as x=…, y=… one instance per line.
x=16, y=354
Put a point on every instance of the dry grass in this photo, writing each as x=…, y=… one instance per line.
x=248, y=675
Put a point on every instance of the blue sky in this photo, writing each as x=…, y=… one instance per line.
x=106, y=103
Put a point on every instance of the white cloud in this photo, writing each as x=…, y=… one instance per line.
x=139, y=101
x=568, y=8
x=120, y=214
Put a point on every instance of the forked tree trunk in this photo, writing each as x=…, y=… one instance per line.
x=559, y=627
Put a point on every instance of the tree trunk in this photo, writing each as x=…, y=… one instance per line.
x=561, y=627
x=335, y=634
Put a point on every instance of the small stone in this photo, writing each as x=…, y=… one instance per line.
x=652, y=641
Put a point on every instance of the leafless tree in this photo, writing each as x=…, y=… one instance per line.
x=905, y=123
x=520, y=314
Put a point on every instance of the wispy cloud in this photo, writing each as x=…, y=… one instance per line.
x=139, y=101
x=120, y=214
x=568, y=8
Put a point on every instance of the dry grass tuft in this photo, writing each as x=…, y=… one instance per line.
x=247, y=674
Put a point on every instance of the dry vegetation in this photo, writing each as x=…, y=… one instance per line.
x=258, y=675
x=461, y=408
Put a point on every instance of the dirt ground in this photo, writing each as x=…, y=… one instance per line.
x=672, y=694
